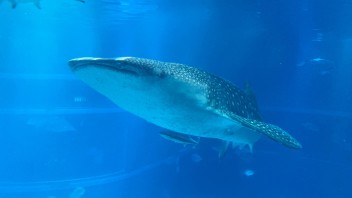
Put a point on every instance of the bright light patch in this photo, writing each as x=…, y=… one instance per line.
x=123, y=58
x=79, y=99
x=248, y=172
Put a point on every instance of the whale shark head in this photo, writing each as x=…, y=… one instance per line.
x=141, y=85
x=124, y=79
x=122, y=65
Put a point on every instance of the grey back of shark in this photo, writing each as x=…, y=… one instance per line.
x=180, y=98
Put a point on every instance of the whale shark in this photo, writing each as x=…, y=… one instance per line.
x=180, y=98
x=14, y=3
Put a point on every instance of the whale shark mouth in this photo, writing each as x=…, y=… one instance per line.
x=117, y=65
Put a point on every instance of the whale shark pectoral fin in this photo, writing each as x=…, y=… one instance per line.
x=224, y=148
x=273, y=132
x=179, y=137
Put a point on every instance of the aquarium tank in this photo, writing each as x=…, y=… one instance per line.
x=175, y=99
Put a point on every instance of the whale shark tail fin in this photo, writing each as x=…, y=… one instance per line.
x=271, y=131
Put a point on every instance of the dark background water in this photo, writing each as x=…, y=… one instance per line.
x=58, y=136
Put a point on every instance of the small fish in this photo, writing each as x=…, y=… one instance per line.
x=14, y=3
x=196, y=158
x=77, y=192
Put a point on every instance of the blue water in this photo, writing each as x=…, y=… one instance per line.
x=61, y=139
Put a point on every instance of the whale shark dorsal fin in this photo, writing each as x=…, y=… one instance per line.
x=273, y=132
x=250, y=94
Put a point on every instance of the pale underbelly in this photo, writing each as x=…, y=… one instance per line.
x=172, y=105
x=187, y=118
